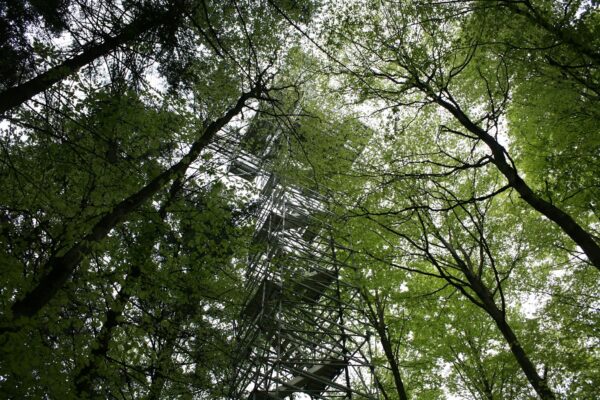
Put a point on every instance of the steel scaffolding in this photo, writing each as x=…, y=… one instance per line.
x=299, y=331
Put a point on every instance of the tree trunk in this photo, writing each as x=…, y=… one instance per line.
x=565, y=34
x=85, y=377
x=84, y=380
x=486, y=301
x=162, y=366
x=579, y=235
x=59, y=268
x=377, y=317
x=17, y=95
x=391, y=358
x=538, y=383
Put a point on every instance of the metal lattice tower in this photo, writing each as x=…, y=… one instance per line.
x=299, y=334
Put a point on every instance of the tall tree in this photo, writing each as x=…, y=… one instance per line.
x=176, y=34
x=452, y=144
x=406, y=173
x=86, y=168
x=19, y=17
x=408, y=59
x=59, y=268
x=148, y=20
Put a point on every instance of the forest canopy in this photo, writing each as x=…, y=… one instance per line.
x=453, y=147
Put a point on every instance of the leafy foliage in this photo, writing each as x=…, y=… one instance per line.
x=454, y=145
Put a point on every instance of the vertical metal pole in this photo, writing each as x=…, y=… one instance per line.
x=338, y=291
x=279, y=311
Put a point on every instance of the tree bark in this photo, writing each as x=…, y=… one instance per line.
x=579, y=235
x=162, y=366
x=84, y=380
x=391, y=357
x=59, y=268
x=538, y=383
x=85, y=377
x=487, y=303
x=565, y=33
x=17, y=95
x=377, y=318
